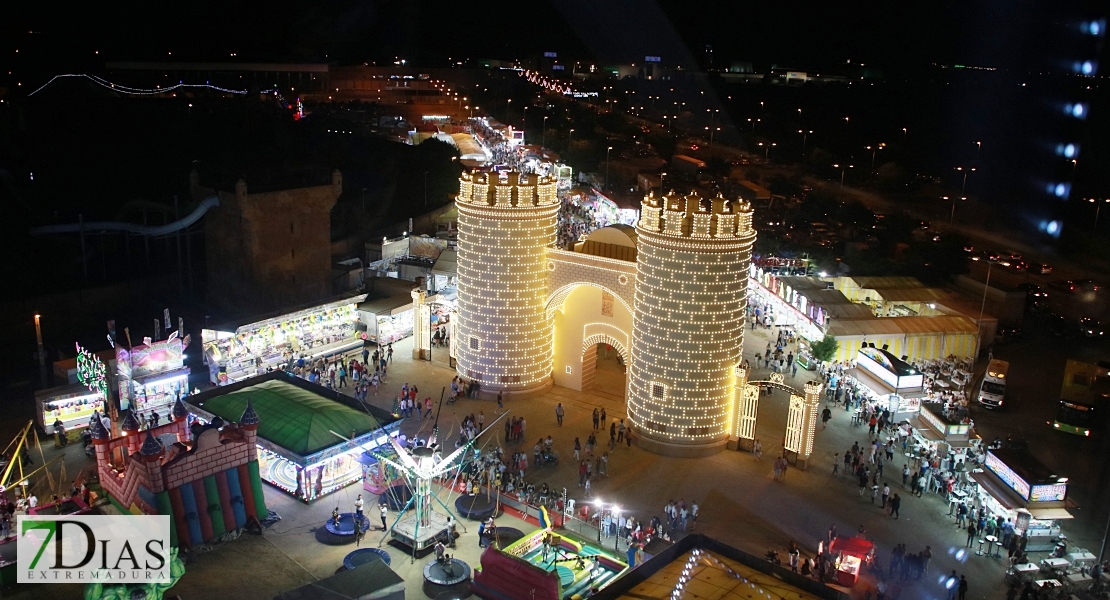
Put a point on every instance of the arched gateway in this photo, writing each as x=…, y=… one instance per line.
x=801, y=420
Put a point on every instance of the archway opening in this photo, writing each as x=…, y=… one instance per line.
x=603, y=369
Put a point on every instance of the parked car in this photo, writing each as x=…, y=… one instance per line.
x=1046, y=269
x=1090, y=328
x=1020, y=265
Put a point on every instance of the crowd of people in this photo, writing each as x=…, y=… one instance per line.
x=574, y=221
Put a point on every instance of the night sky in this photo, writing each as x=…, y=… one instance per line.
x=1022, y=33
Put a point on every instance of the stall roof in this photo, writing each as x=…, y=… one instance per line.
x=849, y=311
x=874, y=327
x=391, y=305
x=446, y=263
x=285, y=314
x=1028, y=468
x=1049, y=514
x=294, y=414
x=826, y=298
x=804, y=283
x=998, y=490
x=948, y=324
x=876, y=283
x=911, y=294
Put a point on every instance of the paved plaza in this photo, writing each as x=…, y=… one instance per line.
x=741, y=504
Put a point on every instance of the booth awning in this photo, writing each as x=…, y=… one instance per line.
x=387, y=306
x=445, y=264
x=998, y=490
x=1049, y=514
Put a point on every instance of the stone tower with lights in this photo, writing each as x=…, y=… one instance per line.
x=503, y=333
x=688, y=324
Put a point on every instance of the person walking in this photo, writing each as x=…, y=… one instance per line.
x=596, y=419
x=358, y=508
x=385, y=513
x=963, y=587
x=577, y=449
x=559, y=413
x=428, y=407
x=603, y=417
x=620, y=431
x=971, y=532
x=500, y=404
x=886, y=494
x=757, y=450
x=825, y=416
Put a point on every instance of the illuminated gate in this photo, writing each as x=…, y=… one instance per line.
x=801, y=420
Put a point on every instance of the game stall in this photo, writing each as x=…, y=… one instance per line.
x=387, y=320
x=236, y=351
x=1013, y=485
x=548, y=565
x=73, y=404
x=153, y=375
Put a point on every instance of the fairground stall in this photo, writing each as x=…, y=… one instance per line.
x=73, y=404
x=1013, y=485
x=849, y=557
x=312, y=441
x=387, y=320
x=891, y=383
x=238, y=350
x=152, y=376
x=797, y=302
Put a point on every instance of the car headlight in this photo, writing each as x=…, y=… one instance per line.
x=1087, y=433
x=1056, y=425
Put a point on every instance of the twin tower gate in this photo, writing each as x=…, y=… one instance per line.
x=801, y=420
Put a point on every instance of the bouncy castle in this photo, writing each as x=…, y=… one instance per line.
x=205, y=478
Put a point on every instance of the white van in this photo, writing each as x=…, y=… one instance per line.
x=993, y=388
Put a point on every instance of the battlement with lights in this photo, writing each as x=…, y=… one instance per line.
x=692, y=216
x=507, y=190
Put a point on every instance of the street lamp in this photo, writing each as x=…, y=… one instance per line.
x=952, y=217
x=804, y=133
x=1098, y=202
x=753, y=122
x=766, y=150
x=661, y=176
x=982, y=307
x=543, y=136
x=965, y=172
x=842, y=168
x=874, y=150
x=711, y=134
x=607, y=151
x=978, y=149
x=570, y=138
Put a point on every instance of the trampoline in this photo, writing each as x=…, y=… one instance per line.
x=364, y=556
x=475, y=508
x=505, y=536
x=446, y=573
x=346, y=526
x=396, y=497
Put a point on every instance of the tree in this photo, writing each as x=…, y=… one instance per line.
x=825, y=350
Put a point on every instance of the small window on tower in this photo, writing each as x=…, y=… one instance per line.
x=473, y=343
x=658, y=391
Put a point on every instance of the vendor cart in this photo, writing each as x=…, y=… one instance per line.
x=849, y=555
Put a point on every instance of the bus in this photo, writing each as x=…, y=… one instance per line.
x=1083, y=397
x=992, y=390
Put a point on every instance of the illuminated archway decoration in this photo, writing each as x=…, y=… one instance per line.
x=604, y=338
x=555, y=301
x=801, y=420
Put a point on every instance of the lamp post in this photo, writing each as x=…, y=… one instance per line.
x=753, y=122
x=982, y=307
x=607, y=151
x=963, y=185
x=767, y=150
x=1098, y=202
x=804, y=135
x=978, y=149
x=543, y=136
x=661, y=176
x=711, y=130
x=874, y=150
x=570, y=138
x=842, y=168
x=952, y=217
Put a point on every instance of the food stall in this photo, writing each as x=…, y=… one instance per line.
x=387, y=320
x=152, y=376
x=849, y=556
x=949, y=428
x=893, y=373
x=1013, y=485
x=73, y=404
x=236, y=351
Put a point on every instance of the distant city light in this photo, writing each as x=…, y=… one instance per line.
x=1060, y=190
x=1077, y=110
x=1068, y=151
x=1094, y=27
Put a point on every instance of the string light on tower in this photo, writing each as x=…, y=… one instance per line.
x=507, y=222
x=688, y=327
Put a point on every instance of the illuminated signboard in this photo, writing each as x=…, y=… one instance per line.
x=878, y=364
x=157, y=357
x=550, y=54
x=869, y=364
x=933, y=420
x=1007, y=475
x=653, y=59
x=557, y=68
x=1052, y=492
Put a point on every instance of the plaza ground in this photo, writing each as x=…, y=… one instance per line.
x=740, y=502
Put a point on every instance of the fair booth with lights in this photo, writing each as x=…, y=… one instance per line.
x=1014, y=485
x=72, y=404
x=312, y=441
x=896, y=383
x=238, y=350
x=387, y=320
x=152, y=376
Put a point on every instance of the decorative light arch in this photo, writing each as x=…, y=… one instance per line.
x=604, y=338
x=558, y=296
